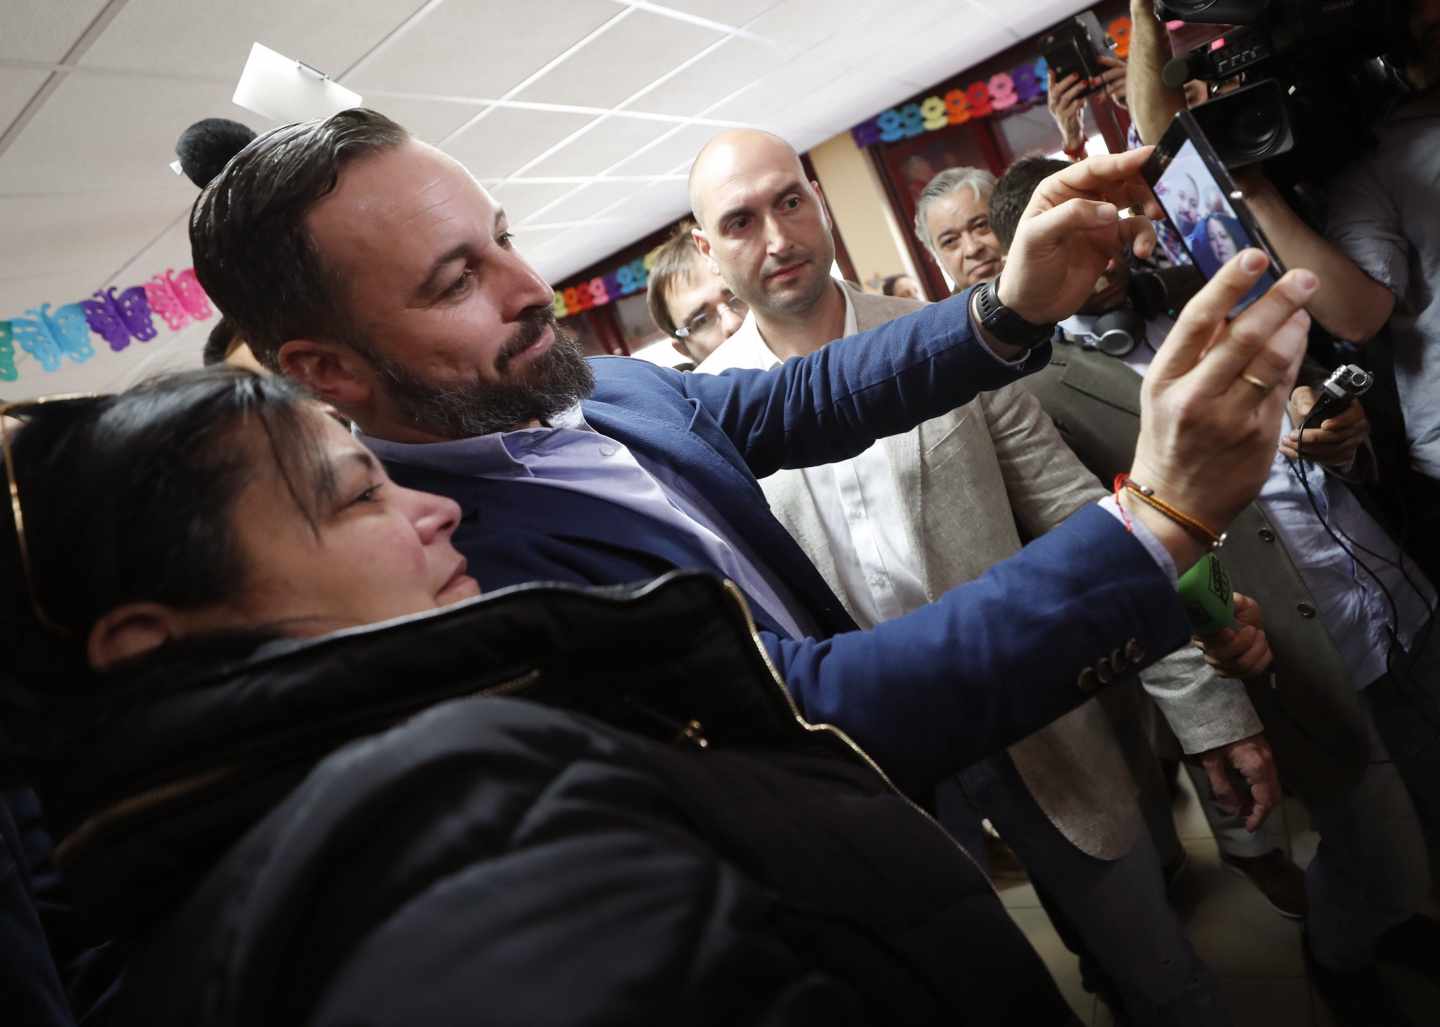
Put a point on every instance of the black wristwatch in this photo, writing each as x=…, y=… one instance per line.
x=1003, y=323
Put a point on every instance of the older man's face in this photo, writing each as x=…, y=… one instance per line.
x=959, y=226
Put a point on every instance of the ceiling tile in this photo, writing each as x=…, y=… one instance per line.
x=665, y=157
x=608, y=143
x=17, y=86
x=117, y=132
x=726, y=12
x=588, y=202
x=521, y=200
x=213, y=37
x=481, y=49
x=622, y=61
x=83, y=232
x=712, y=78
x=795, y=79
x=506, y=139
x=800, y=24
x=45, y=31
x=430, y=120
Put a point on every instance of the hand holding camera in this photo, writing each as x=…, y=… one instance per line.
x=1337, y=423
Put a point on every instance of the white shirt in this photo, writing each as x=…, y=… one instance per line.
x=861, y=511
x=1351, y=605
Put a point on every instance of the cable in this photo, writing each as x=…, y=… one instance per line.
x=1403, y=681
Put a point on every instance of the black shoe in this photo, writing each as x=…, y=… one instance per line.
x=1414, y=944
x=1357, y=998
x=1279, y=880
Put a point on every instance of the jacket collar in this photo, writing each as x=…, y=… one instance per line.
x=181, y=759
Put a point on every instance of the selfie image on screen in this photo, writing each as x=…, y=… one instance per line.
x=1200, y=212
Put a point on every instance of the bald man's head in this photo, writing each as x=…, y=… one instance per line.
x=738, y=151
x=761, y=222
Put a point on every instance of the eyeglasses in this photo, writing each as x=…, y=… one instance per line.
x=18, y=411
x=708, y=319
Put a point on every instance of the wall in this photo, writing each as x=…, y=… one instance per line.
x=861, y=211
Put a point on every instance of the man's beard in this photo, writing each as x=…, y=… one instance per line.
x=553, y=383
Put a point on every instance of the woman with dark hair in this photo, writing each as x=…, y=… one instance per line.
x=549, y=805
x=1214, y=240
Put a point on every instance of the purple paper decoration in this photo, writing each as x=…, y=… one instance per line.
x=116, y=320
x=178, y=298
x=7, y=353
x=117, y=317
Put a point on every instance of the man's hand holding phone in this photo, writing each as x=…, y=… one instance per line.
x=1213, y=400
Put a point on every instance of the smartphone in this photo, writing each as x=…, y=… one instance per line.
x=1204, y=205
x=1073, y=48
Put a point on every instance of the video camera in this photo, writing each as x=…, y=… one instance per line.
x=1314, y=74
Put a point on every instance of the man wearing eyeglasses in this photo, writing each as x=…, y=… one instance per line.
x=688, y=302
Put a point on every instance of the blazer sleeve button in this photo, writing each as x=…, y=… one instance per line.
x=1305, y=610
x=1266, y=535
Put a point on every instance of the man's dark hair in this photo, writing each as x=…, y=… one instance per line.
x=887, y=287
x=1013, y=191
x=252, y=251
x=675, y=258
x=221, y=342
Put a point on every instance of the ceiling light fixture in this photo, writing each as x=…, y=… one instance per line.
x=283, y=89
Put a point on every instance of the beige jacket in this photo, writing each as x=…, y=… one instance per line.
x=983, y=478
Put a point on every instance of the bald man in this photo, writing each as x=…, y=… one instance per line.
x=925, y=511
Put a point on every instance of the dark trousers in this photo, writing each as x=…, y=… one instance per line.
x=1113, y=912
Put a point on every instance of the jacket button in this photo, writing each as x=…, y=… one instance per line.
x=1266, y=535
x=1134, y=652
x=1087, y=682
x=1305, y=610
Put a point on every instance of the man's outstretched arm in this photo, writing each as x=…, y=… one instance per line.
x=993, y=660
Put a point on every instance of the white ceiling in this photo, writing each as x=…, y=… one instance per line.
x=582, y=115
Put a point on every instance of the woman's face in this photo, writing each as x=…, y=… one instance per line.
x=376, y=550
x=1222, y=244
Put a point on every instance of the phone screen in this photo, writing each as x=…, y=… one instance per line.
x=1199, y=207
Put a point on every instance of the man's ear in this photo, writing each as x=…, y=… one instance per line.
x=130, y=631
x=824, y=205
x=702, y=243
x=334, y=373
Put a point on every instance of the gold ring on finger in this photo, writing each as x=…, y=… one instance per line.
x=1260, y=384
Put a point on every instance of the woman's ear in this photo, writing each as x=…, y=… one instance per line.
x=128, y=632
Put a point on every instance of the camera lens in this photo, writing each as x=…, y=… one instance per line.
x=1255, y=130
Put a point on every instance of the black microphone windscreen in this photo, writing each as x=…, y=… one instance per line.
x=207, y=146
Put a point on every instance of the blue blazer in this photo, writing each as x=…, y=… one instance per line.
x=926, y=694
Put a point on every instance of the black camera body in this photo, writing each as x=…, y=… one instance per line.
x=1074, y=46
x=1316, y=74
